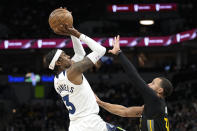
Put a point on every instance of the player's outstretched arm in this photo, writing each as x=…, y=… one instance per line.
x=147, y=93
x=78, y=49
x=74, y=73
x=121, y=110
x=92, y=44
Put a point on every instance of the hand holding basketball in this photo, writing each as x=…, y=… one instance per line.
x=59, y=17
x=66, y=30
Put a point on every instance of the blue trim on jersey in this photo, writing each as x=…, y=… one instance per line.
x=57, y=76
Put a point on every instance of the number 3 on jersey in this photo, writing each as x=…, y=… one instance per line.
x=69, y=105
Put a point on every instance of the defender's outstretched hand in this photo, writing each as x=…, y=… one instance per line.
x=66, y=30
x=116, y=46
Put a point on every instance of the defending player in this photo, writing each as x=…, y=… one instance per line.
x=73, y=87
x=154, y=110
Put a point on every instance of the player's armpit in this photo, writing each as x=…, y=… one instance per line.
x=74, y=73
x=135, y=111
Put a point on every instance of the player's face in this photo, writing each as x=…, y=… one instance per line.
x=155, y=84
x=65, y=60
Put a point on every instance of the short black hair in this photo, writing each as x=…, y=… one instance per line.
x=167, y=86
x=48, y=58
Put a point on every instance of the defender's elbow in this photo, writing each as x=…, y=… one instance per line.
x=123, y=113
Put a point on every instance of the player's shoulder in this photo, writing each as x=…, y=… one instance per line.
x=60, y=77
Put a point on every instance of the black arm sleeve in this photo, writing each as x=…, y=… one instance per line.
x=148, y=94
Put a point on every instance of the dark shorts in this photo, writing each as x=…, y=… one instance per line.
x=111, y=127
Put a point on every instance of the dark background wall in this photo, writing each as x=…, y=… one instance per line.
x=28, y=19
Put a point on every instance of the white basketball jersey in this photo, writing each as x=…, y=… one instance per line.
x=79, y=99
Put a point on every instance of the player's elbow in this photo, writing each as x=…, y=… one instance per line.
x=124, y=113
x=128, y=113
x=102, y=51
x=83, y=53
x=78, y=57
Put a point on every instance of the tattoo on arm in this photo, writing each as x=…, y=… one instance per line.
x=83, y=65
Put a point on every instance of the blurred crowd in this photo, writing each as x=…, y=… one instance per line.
x=35, y=117
x=30, y=19
x=53, y=116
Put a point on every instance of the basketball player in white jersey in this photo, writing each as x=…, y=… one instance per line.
x=71, y=84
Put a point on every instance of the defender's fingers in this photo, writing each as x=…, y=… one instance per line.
x=113, y=43
x=118, y=37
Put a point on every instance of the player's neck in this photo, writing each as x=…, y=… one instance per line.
x=160, y=95
x=60, y=69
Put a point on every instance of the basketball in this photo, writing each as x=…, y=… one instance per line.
x=60, y=16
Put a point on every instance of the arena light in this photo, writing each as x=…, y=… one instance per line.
x=146, y=22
